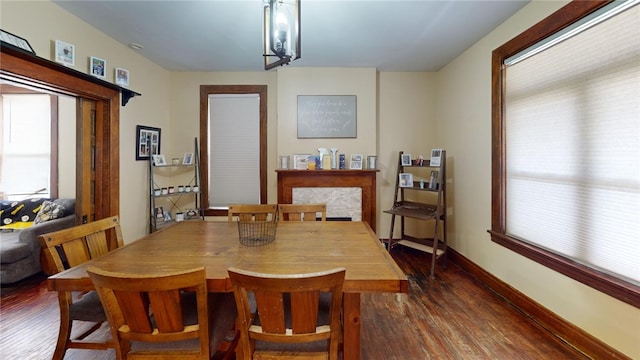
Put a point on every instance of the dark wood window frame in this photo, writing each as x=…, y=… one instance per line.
x=205, y=91
x=600, y=281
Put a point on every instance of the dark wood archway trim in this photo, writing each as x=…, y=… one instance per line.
x=44, y=75
x=63, y=71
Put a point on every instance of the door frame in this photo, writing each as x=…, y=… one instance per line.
x=205, y=91
x=47, y=76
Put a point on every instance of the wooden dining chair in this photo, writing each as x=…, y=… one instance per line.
x=302, y=212
x=166, y=315
x=287, y=322
x=253, y=212
x=68, y=248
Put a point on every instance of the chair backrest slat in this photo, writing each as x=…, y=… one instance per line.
x=302, y=212
x=167, y=321
x=97, y=243
x=135, y=309
x=252, y=212
x=76, y=253
x=303, y=321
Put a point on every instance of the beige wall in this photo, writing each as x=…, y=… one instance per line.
x=185, y=111
x=413, y=112
x=464, y=126
x=41, y=23
x=326, y=81
x=407, y=122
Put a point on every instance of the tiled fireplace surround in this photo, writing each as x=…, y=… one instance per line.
x=347, y=193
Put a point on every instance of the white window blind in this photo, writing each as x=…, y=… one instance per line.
x=234, y=149
x=573, y=147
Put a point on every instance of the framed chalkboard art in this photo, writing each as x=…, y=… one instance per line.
x=326, y=116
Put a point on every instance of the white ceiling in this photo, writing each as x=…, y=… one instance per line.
x=226, y=35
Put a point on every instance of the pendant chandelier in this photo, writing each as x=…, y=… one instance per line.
x=281, y=33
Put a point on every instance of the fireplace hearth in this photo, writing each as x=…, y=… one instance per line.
x=364, y=180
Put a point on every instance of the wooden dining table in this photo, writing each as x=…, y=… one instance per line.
x=299, y=247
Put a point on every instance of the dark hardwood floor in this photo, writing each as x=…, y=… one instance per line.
x=451, y=317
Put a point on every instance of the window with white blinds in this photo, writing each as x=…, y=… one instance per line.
x=572, y=137
x=234, y=149
x=25, y=146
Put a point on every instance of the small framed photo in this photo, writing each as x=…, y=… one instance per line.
x=121, y=77
x=187, y=159
x=147, y=142
x=65, y=53
x=355, y=162
x=313, y=162
x=436, y=155
x=406, y=179
x=97, y=67
x=433, y=180
x=159, y=160
x=406, y=160
x=191, y=214
x=159, y=212
x=301, y=161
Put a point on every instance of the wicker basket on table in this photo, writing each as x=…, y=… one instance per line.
x=257, y=233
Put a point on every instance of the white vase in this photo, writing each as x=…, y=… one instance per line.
x=334, y=158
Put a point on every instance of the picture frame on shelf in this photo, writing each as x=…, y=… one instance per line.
x=121, y=76
x=355, y=162
x=65, y=53
x=301, y=161
x=314, y=162
x=97, y=67
x=406, y=160
x=159, y=212
x=187, y=159
x=436, y=156
x=405, y=179
x=159, y=160
x=147, y=142
x=433, y=180
x=16, y=41
x=167, y=216
x=191, y=214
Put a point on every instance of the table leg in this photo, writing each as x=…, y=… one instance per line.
x=351, y=324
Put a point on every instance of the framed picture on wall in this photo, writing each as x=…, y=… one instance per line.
x=121, y=76
x=65, y=53
x=97, y=67
x=327, y=116
x=16, y=41
x=147, y=142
